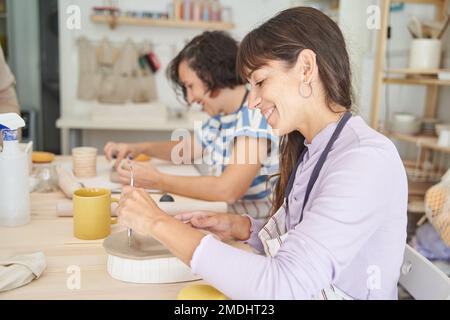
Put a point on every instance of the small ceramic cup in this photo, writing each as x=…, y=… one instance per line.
x=425, y=54
x=92, y=213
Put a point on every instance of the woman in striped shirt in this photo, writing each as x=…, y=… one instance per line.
x=204, y=72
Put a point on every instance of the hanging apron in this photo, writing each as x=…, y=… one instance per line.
x=274, y=232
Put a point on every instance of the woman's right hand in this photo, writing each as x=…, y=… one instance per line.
x=226, y=226
x=118, y=151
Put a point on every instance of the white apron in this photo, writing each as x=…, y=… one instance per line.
x=274, y=232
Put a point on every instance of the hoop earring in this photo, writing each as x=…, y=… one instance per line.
x=302, y=91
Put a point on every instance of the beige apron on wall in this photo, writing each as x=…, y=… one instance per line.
x=89, y=77
x=113, y=75
x=144, y=82
x=115, y=87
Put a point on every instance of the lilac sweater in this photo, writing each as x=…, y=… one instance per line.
x=353, y=231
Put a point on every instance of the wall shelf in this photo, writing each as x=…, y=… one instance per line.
x=164, y=23
x=417, y=81
x=416, y=77
x=410, y=77
x=416, y=72
x=428, y=145
x=430, y=2
x=429, y=142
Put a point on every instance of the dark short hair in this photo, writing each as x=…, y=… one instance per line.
x=212, y=56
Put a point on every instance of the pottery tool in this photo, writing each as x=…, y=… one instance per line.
x=129, y=231
x=149, y=191
x=415, y=27
x=444, y=28
x=412, y=32
x=166, y=198
x=147, y=261
x=64, y=207
x=432, y=28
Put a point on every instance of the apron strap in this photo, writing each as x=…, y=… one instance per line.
x=315, y=174
x=290, y=184
x=323, y=158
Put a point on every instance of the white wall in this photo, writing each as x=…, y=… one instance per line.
x=352, y=21
x=247, y=15
x=168, y=41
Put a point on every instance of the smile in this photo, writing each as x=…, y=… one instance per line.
x=267, y=112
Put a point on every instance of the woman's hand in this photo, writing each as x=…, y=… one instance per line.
x=145, y=175
x=119, y=151
x=226, y=226
x=138, y=211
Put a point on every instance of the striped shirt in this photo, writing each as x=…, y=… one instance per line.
x=217, y=136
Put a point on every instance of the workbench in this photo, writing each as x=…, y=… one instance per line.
x=53, y=236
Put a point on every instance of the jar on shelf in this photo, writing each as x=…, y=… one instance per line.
x=226, y=14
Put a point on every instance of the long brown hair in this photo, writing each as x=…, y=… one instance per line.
x=282, y=38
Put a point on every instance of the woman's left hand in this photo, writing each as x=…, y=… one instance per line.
x=145, y=175
x=138, y=211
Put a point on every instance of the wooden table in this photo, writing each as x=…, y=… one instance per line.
x=54, y=237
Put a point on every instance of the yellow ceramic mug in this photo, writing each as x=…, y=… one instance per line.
x=92, y=213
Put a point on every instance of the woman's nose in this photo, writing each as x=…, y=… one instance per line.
x=253, y=100
x=189, y=97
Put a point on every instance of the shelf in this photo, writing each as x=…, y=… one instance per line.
x=416, y=72
x=85, y=122
x=417, y=81
x=431, y=81
x=429, y=142
x=433, y=2
x=162, y=23
x=416, y=76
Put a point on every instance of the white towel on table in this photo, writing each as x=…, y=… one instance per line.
x=21, y=270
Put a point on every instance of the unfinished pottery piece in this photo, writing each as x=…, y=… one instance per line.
x=146, y=261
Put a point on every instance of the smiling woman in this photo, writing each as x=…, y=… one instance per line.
x=236, y=143
x=337, y=229
x=321, y=46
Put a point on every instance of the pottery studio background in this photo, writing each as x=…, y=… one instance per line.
x=62, y=53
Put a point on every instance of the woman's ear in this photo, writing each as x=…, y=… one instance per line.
x=214, y=93
x=306, y=65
